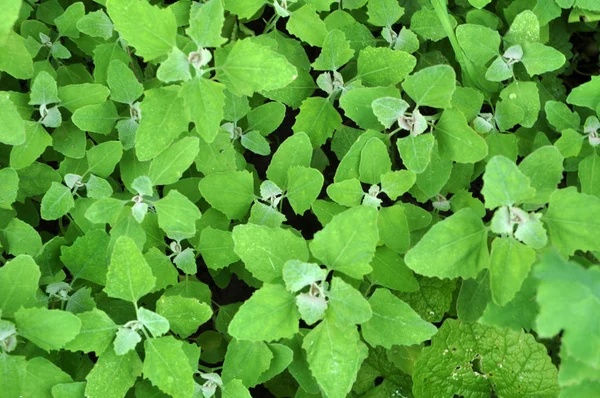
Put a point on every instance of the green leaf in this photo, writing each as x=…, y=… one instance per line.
x=305, y=24
x=346, y=305
x=394, y=322
x=12, y=375
x=98, y=188
x=342, y=247
x=126, y=340
x=454, y=247
x=8, y=19
x=9, y=188
x=426, y=23
x=586, y=94
x=544, y=167
x=415, y=151
x=216, y=247
x=75, y=96
x=396, y=183
x=164, y=118
x=175, y=68
x=374, y=161
x=588, y=171
x=335, y=53
x=204, y=99
x=560, y=116
x=346, y=193
x=36, y=142
x=41, y=376
x=525, y=28
x=96, y=24
x=152, y=33
x=297, y=274
x=389, y=270
x=177, y=215
x=318, y=119
x=43, y=90
x=282, y=357
x=432, y=86
x=520, y=313
x=19, y=280
x=504, y=184
x=230, y=192
x=206, y=23
x=12, y=129
x=185, y=314
x=468, y=350
x=384, y=12
x=524, y=95
x=457, y=141
x=87, y=258
x=356, y=104
x=244, y=9
x=15, y=59
x=393, y=228
x=245, y=361
x=265, y=250
x=389, y=109
x=57, y=202
x=103, y=158
x=124, y=86
x=21, y=238
x=96, y=334
x=294, y=151
x=113, y=375
x=303, y=187
x=251, y=67
x=510, y=263
x=334, y=354
x=479, y=43
x=129, y=276
x=66, y=23
x=168, y=167
x=270, y=314
x=570, y=228
x=567, y=310
x=255, y=142
x=266, y=118
x=167, y=367
x=48, y=329
x=539, y=59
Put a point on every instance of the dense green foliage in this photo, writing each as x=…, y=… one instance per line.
x=299, y=198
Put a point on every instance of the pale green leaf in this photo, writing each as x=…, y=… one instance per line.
x=185, y=314
x=97, y=332
x=457, y=141
x=12, y=129
x=124, y=86
x=504, y=184
x=206, y=23
x=335, y=53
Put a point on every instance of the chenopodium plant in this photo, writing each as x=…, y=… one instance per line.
x=426, y=228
